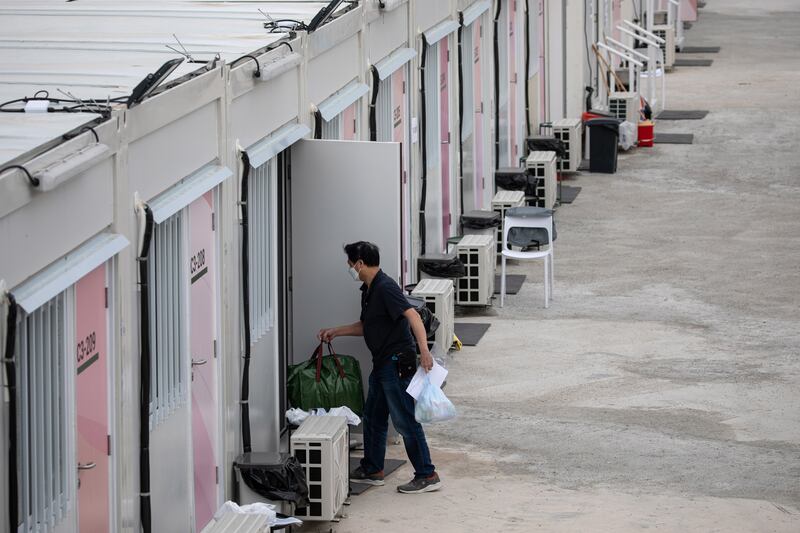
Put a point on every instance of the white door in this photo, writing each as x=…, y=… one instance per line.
x=341, y=192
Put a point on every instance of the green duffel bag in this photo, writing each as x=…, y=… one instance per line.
x=326, y=381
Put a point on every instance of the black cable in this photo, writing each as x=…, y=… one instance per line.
x=461, y=115
x=586, y=41
x=11, y=381
x=257, y=73
x=497, y=87
x=33, y=181
x=317, y=124
x=527, y=70
x=145, y=358
x=245, y=393
x=68, y=136
x=373, y=119
x=287, y=43
x=423, y=119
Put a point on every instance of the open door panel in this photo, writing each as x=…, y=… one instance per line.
x=342, y=192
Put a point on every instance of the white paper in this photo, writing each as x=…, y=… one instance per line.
x=437, y=376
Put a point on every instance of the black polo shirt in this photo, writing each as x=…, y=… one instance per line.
x=386, y=330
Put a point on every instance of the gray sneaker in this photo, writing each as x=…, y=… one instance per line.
x=360, y=476
x=419, y=485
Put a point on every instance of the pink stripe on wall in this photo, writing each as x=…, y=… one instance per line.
x=477, y=84
x=444, y=109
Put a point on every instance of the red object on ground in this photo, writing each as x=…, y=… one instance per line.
x=646, y=133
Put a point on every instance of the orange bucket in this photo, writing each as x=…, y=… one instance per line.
x=646, y=133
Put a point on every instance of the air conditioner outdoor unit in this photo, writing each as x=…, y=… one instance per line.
x=478, y=253
x=569, y=131
x=542, y=175
x=625, y=106
x=238, y=523
x=668, y=34
x=502, y=201
x=320, y=445
x=439, y=298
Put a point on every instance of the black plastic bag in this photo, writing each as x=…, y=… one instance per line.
x=276, y=477
x=547, y=143
x=481, y=219
x=442, y=266
x=429, y=320
x=511, y=179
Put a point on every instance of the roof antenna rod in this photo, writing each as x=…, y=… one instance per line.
x=266, y=15
x=81, y=103
x=185, y=52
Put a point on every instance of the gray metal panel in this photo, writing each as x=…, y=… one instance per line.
x=474, y=11
x=266, y=149
x=440, y=31
x=342, y=191
x=189, y=190
x=344, y=98
x=394, y=61
x=62, y=274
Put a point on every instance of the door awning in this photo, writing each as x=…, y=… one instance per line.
x=187, y=191
x=342, y=99
x=270, y=146
x=65, y=272
x=388, y=65
x=474, y=11
x=440, y=31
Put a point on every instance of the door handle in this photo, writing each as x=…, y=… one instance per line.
x=199, y=362
x=86, y=466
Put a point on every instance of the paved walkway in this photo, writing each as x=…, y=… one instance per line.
x=661, y=391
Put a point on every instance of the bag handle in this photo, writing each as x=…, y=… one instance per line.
x=317, y=358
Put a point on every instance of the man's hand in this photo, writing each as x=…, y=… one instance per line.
x=426, y=360
x=327, y=335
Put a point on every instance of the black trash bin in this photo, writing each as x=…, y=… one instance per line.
x=442, y=266
x=603, y=141
x=275, y=477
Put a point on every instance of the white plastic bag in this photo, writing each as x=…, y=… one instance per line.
x=627, y=135
x=433, y=405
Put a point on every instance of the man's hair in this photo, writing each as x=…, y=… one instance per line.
x=365, y=251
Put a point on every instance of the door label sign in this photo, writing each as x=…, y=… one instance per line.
x=86, y=352
x=197, y=265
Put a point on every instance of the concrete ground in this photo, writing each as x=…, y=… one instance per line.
x=661, y=390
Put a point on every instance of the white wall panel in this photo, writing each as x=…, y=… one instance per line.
x=264, y=109
x=328, y=179
x=385, y=34
x=56, y=222
x=167, y=155
x=428, y=13
x=329, y=72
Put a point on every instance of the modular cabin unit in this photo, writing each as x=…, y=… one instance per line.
x=189, y=240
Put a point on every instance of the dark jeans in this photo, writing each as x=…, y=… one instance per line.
x=387, y=396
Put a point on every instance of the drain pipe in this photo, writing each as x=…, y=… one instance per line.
x=317, y=123
x=11, y=380
x=145, y=357
x=461, y=116
x=245, y=392
x=497, y=86
x=423, y=118
x=373, y=119
x=527, y=70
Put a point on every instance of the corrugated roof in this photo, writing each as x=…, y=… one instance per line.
x=101, y=49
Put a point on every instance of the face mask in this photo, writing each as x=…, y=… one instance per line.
x=353, y=273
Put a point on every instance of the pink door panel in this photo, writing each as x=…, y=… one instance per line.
x=512, y=82
x=399, y=134
x=349, y=123
x=91, y=396
x=202, y=277
x=444, y=110
x=477, y=88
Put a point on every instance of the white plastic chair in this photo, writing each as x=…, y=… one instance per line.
x=529, y=217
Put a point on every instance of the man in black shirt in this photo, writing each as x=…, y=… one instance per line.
x=386, y=323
